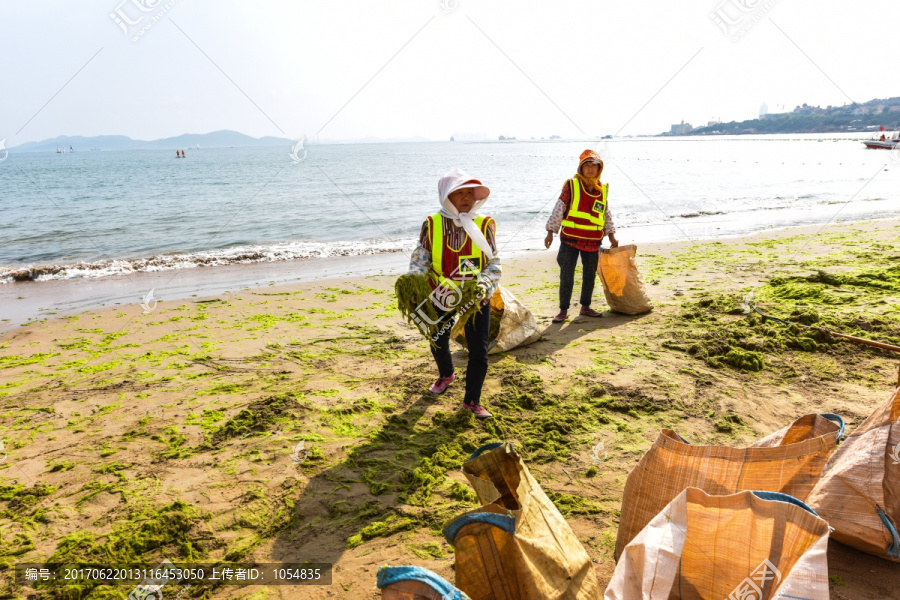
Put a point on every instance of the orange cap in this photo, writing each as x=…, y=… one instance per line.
x=590, y=156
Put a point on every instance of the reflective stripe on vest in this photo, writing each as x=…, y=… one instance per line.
x=438, y=244
x=581, y=223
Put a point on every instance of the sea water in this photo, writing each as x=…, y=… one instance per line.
x=102, y=213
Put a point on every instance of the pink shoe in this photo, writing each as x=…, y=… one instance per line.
x=479, y=410
x=440, y=386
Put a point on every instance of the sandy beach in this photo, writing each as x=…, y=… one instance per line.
x=142, y=436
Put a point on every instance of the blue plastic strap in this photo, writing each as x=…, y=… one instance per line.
x=779, y=497
x=837, y=419
x=486, y=448
x=390, y=575
x=894, y=549
x=504, y=522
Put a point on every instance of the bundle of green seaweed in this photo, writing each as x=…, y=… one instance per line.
x=459, y=335
x=414, y=301
x=470, y=303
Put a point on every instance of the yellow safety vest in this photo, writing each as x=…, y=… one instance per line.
x=585, y=222
x=468, y=259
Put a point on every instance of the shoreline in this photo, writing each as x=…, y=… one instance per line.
x=28, y=301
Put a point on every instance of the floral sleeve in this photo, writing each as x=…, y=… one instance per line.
x=608, y=226
x=420, y=261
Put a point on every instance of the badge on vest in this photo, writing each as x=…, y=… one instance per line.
x=598, y=206
x=469, y=265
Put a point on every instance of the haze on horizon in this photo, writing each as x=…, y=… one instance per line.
x=350, y=70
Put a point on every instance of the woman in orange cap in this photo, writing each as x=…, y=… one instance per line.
x=583, y=214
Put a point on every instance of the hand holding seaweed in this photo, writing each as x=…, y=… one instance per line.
x=414, y=301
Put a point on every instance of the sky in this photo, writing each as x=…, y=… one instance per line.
x=350, y=69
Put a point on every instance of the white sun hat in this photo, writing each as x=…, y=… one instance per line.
x=457, y=179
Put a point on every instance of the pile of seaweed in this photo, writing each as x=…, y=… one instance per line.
x=724, y=330
x=174, y=531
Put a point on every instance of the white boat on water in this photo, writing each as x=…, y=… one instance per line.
x=883, y=141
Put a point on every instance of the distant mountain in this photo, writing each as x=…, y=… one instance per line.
x=216, y=139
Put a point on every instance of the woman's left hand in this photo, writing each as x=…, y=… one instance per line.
x=613, y=242
x=485, y=298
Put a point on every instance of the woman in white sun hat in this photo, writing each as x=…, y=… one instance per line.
x=457, y=244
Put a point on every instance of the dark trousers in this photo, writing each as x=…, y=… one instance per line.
x=567, y=259
x=477, y=331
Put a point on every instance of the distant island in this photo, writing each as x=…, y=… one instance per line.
x=216, y=139
x=866, y=117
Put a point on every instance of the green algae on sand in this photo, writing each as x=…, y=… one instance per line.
x=723, y=333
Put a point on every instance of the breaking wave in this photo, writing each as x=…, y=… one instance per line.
x=229, y=256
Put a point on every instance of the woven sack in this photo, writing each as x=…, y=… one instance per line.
x=789, y=461
x=859, y=493
x=622, y=282
x=744, y=546
x=517, y=546
x=415, y=583
x=512, y=324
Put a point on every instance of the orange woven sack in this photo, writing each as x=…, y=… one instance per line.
x=517, y=546
x=859, y=493
x=622, y=282
x=789, y=461
x=745, y=546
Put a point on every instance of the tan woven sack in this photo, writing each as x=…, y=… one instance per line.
x=517, y=546
x=859, y=493
x=512, y=324
x=745, y=546
x=622, y=282
x=789, y=461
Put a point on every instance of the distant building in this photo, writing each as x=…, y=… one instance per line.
x=895, y=108
x=711, y=123
x=681, y=128
x=763, y=110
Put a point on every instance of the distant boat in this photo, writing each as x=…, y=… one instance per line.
x=882, y=141
x=59, y=150
x=71, y=149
